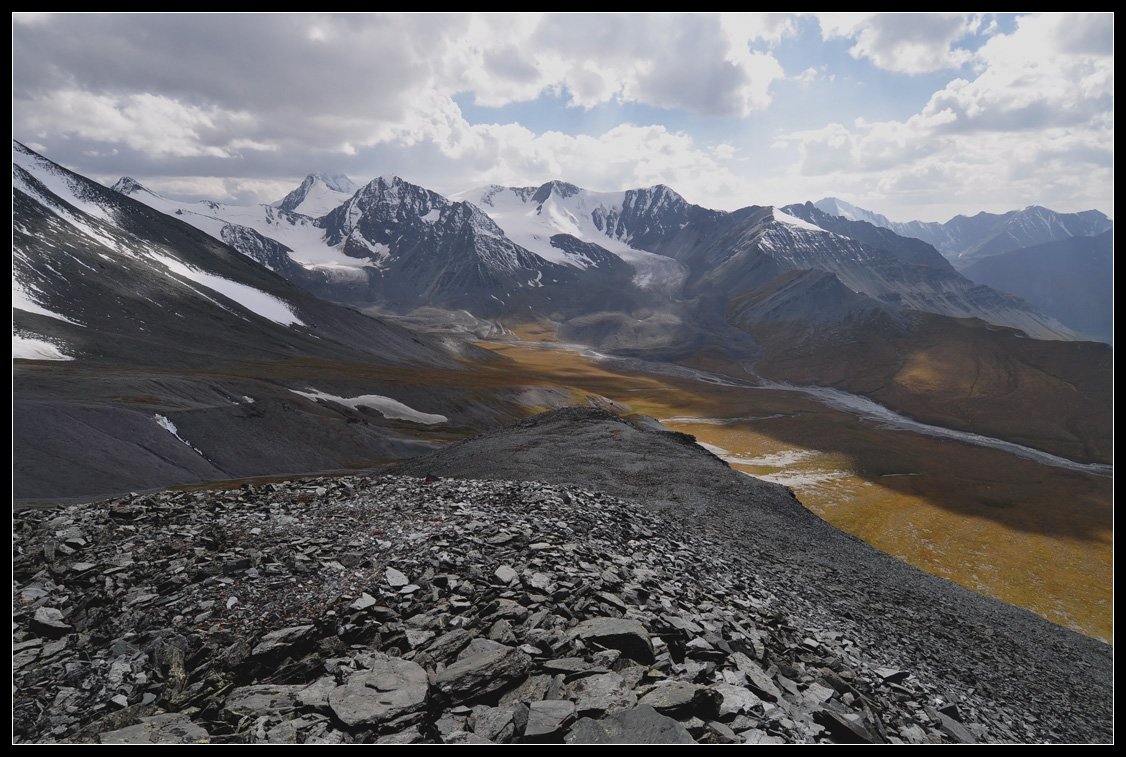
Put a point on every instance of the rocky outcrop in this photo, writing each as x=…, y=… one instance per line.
x=394, y=610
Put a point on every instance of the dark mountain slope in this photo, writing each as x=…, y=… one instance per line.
x=1003, y=659
x=1072, y=280
x=182, y=359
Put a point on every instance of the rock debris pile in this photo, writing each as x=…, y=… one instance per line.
x=396, y=610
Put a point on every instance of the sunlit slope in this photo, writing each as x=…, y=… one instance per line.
x=1029, y=534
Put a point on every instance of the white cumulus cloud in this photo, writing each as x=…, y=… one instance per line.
x=1033, y=126
x=910, y=43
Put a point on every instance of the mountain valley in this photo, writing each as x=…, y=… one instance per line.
x=346, y=329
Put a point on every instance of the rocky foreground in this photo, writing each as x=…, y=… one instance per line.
x=399, y=610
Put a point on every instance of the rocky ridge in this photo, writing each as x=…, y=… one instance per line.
x=403, y=610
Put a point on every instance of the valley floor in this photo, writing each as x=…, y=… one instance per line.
x=1036, y=536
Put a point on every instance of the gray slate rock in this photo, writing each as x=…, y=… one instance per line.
x=844, y=728
x=394, y=691
x=533, y=689
x=598, y=695
x=396, y=579
x=951, y=727
x=410, y=735
x=448, y=645
x=283, y=639
x=364, y=601
x=760, y=683
x=48, y=621
x=481, y=674
x=494, y=723
x=683, y=700
x=641, y=725
x=548, y=717
x=735, y=700
x=169, y=728
x=263, y=699
x=464, y=737
x=626, y=635
x=316, y=694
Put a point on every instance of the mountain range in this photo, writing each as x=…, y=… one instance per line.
x=964, y=239
x=226, y=297
x=225, y=349
x=560, y=251
x=1060, y=263
x=1070, y=279
x=152, y=353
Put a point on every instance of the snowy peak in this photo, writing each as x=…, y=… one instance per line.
x=837, y=207
x=965, y=238
x=318, y=194
x=653, y=201
x=129, y=186
x=337, y=182
x=386, y=199
x=400, y=221
x=572, y=226
x=531, y=216
x=645, y=215
x=561, y=189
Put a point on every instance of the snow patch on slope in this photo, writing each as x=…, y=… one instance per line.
x=837, y=207
x=790, y=220
x=22, y=300
x=385, y=406
x=170, y=427
x=57, y=181
x=27, y=347
x=254, y=300
x=56, y=193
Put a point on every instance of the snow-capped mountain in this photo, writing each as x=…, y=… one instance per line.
x=888, y=278
x=906, y=249
x=540, y=219
x=398, y=245
x=282, y=240
x=428, y=250
x=837, y=207
x=1023, y=228
x=964, y=239
x=148, y=353
x=318, y=194
x=558, y=248
x=102, y=276
x=908, y=271
x=207, y=334
x=734, y=252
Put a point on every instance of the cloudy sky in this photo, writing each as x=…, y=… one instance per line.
x=913, y=115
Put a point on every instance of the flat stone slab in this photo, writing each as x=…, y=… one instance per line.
x=169, y=728
x=641, y=725
x=394, y=690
